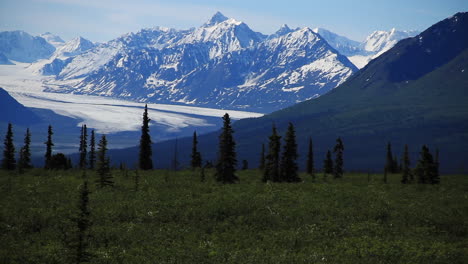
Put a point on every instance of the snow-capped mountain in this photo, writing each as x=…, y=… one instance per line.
x=342, y=44
x=378, y=43
x=283, y=30
x=72, y=48
x=360, y=53
x=381, y=41
x=277, y=73
x=54, y=40
x=22, y=47
x=63, y=55
x=223, y=35
x=223, y=64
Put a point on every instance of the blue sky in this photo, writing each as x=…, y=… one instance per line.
x=102, y=20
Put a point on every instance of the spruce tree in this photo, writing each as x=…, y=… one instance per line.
x=389, y=163
x=406, y=176
x=426, y=168
x=227, y=161
x=262, y=158
x=92, y=151
x=385, y=176
x=338, y=150
x=288, y=170
x=328, y=164
x=175, y=159
x=83, y=224
x=245, y=165
x=9, y=161
x=103, y=165
x=49, y=144
x=83, y=147
x=58, y=161
x=395, y=165
x=436, y=175
x=69, y=163
x=310, y=160
x=25, y=152
x=272, y=169
x=146, y=153
x=196, y=156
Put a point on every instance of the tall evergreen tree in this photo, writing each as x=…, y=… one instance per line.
x=245, y=165
x=426, y=167
x=288, y=170
x=25, y=152
x=196, y=156
x=328, y=164
x=83, y=224
x=389, y=163
x=103, y=165
x=310, y=160
x=262, y=158
x=175, y=159
x=395, y=165
x=406, y=176
x=146, y=153
x=272, y=165
x=69, y=163
x=9, y=161
x=385, y=176
x=338, y=150
x=436, y=177
x=227, y=161
x=83, y=147
x=92, y=151
x=49, y=144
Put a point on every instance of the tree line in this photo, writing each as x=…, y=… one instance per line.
x=278, y=163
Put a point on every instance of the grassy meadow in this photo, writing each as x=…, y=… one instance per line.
x=173, y=217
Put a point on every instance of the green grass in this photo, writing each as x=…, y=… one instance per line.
x=175, y=218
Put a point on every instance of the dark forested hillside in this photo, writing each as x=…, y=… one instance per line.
x=14, y=112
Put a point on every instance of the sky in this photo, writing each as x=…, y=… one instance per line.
x=103, y=20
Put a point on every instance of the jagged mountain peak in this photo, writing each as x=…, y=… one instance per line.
x=217, y=18
x=224, y=35
x=297, y=38
x=74, y=47
x=305, y=34
x=283, y=30
x=79, y=43
x=79, y=40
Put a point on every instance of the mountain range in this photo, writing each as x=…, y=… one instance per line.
x=221, y=64
x=360, y=53
x=415, y=94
